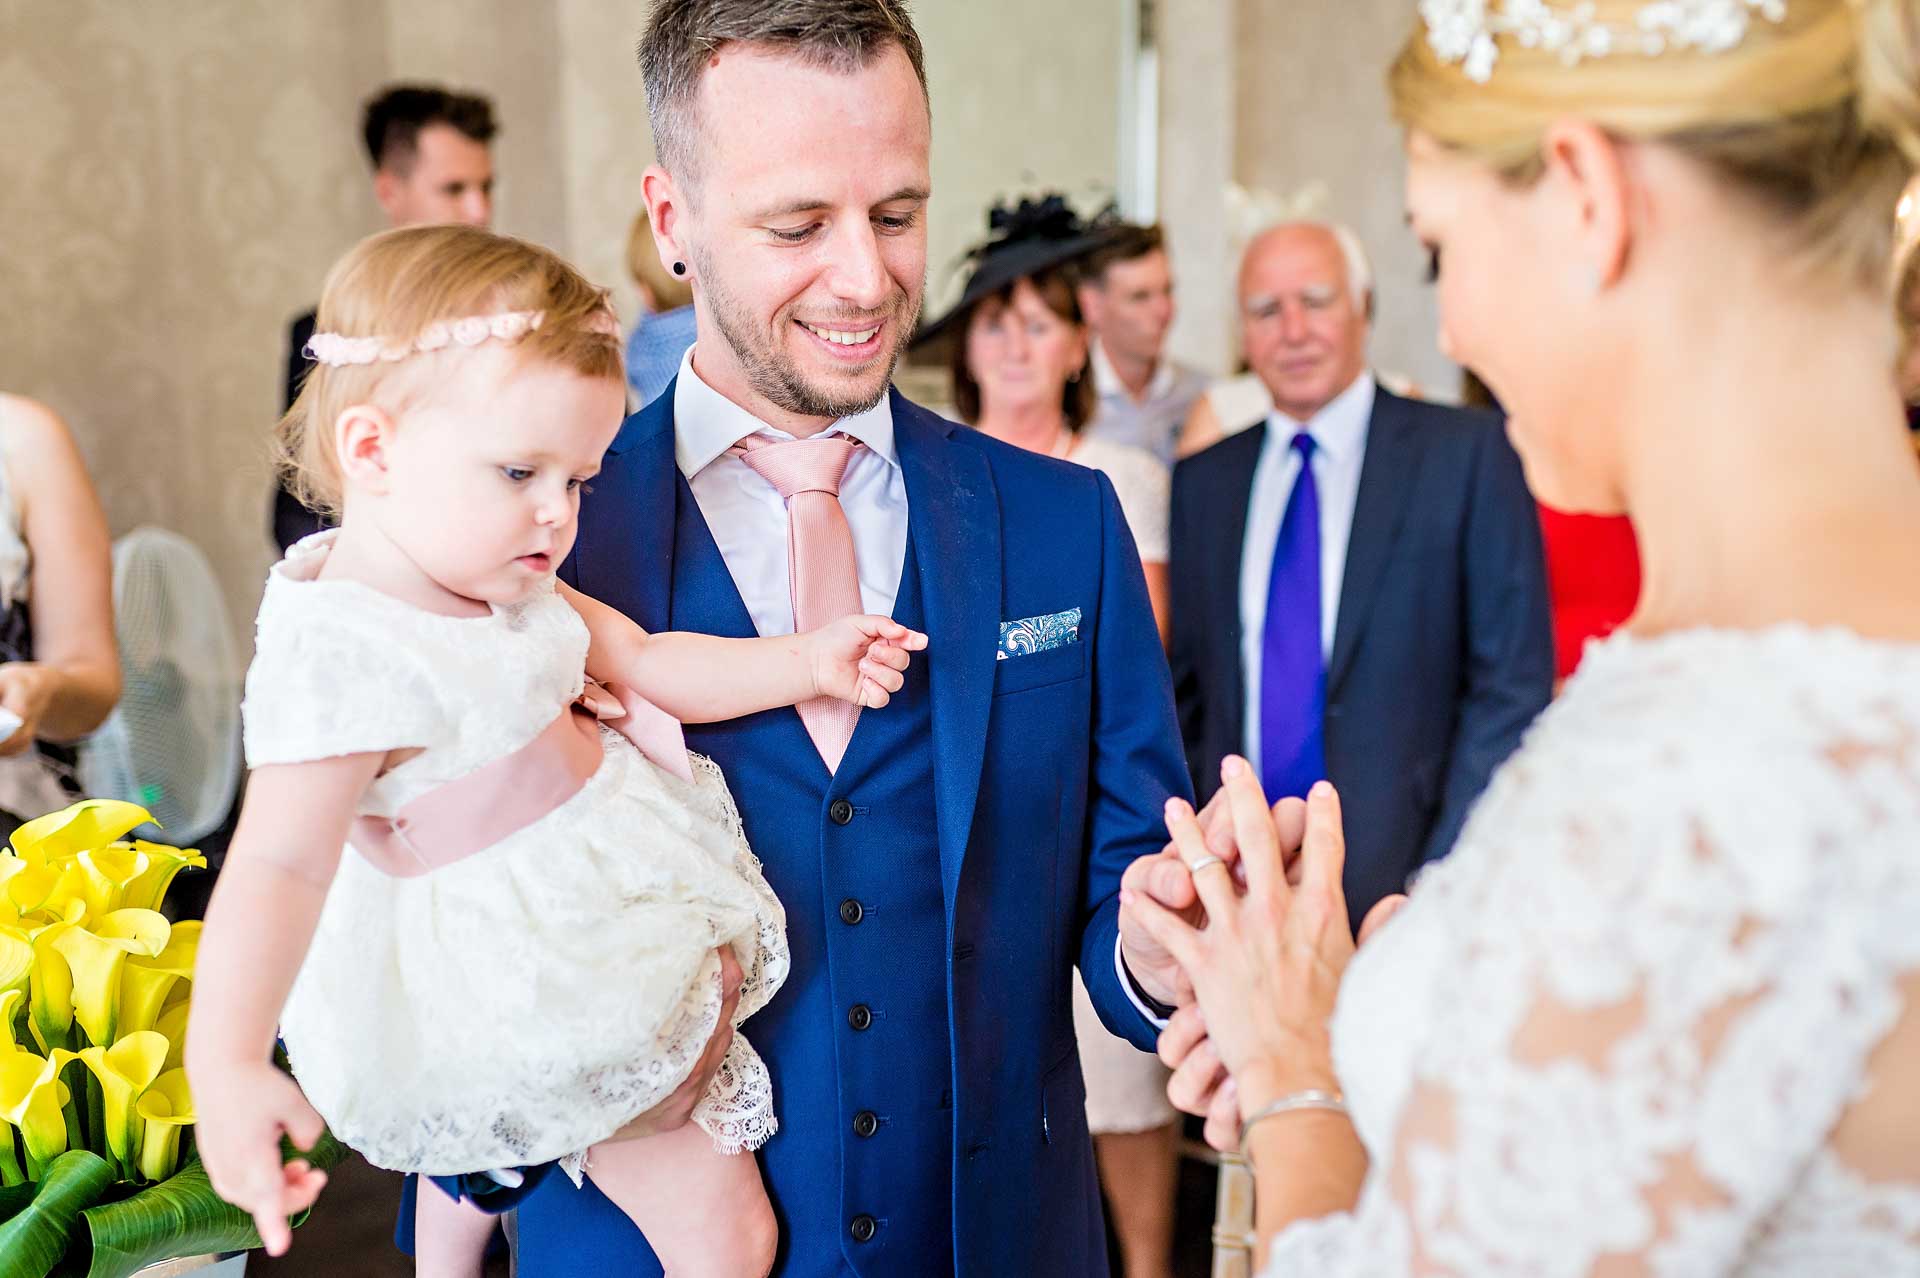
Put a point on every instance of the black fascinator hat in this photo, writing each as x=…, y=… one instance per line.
x=1025, y=239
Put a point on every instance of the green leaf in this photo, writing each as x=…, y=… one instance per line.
x=180, y=1216
x=15, y=1197
x=34, y=1239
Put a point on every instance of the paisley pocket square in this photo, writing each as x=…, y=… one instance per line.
x=1038, y=634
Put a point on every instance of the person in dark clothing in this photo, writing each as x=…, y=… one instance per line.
x=430, y=149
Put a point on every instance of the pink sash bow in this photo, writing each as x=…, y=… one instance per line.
x=452, y=822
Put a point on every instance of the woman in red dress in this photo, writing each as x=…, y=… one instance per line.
x=1593, y=565
x=1593, y=579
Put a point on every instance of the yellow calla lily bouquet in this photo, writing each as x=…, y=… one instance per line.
x=95, y=975
x=96, y=1173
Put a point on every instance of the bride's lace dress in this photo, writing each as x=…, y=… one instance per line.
x=1643, y=1020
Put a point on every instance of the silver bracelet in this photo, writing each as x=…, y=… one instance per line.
x=1288, y=1104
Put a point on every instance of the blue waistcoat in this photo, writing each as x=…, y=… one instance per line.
x=857, y=1039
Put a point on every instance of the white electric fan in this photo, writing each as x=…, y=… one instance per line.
x=172, y=745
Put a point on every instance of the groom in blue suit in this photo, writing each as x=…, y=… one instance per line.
x=944, y=874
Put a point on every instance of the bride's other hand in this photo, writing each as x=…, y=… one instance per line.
x=1266, y=968
x=1198, y=1083
x=1383, y=909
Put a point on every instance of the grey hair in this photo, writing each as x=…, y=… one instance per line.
x=683, y=35
x=1359, y=265
x=1352, y=251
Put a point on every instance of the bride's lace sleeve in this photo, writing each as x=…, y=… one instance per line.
x=1671, y=1030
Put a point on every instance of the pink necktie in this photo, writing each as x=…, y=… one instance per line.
x=820, y=563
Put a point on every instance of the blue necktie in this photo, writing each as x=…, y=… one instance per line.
x=1293, y=674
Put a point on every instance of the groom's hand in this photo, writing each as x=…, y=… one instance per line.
x=1164, y=878
x=672, y=1113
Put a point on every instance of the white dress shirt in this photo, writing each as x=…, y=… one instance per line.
x=1340, y=446
x=1106, y=380
x=748, y=518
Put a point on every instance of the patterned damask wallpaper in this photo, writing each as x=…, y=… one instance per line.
x=175, y=180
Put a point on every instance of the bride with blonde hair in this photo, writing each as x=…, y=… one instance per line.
x=1659, y=1012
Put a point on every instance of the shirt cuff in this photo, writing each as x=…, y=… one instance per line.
x=1156, y=1012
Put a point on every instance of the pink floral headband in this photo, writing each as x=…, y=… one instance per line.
x=336, y=349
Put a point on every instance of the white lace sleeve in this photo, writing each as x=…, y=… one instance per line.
x=1674, y=1018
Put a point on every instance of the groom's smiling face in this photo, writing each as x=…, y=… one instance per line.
x=803, y=219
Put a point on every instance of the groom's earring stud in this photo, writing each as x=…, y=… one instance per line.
x=679, y=268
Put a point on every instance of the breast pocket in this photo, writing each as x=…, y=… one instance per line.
x=1039, y=669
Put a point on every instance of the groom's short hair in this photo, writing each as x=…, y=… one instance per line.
x=683, y=35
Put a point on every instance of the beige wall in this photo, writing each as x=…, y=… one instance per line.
x=1026, y=97
x=172, y=185
x=1282, y=98
x=175, y=180
x=1312, y=107
x=1198, y=125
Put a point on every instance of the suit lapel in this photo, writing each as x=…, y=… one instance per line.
x=954, y=523
x=1240, y=457
x=1386, y=480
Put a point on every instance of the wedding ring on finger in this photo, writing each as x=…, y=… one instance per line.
x=1202, y=862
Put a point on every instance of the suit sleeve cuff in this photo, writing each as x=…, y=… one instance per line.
x=1156, y=1012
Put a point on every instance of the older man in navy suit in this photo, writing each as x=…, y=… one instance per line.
x=946, y=862
x=1359, y=588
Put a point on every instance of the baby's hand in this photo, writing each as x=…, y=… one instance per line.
x=861, y=659
x=241, y=1116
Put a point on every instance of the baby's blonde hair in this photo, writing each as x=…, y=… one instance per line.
x=397, y=284
x=1816, y=116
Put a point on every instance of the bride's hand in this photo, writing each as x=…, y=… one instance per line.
x=861, y=659
x=1266, y=969
x=1197, y=1083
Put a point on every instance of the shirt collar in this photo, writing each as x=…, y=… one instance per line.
x=706, y=424
x=1107, y=383
x=1340, y=428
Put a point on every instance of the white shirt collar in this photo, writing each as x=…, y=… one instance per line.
x=706, y=424
x=1340, y=428
x=1106, y=381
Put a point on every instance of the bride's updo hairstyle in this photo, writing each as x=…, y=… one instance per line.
x=1813, y=111
x=401, y=311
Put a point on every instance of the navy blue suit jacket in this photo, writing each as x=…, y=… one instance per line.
x=1443, y=646
x=1050, y=772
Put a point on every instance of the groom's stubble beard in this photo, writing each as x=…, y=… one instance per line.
x=774, y=376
